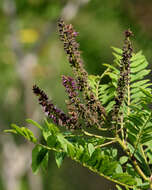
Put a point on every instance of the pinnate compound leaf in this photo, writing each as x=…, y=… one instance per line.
x=66, y=145
x=17, y=129
x=25, y=132
x=108, y=167
x=124, y=178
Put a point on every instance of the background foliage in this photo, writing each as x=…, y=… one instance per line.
x=26, y=58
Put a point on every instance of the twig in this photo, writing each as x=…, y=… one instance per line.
x=134, y=162
x=96, y=136
x=106, y=144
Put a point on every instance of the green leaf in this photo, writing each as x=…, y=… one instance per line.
x=113, y=76
x=46, y=132
x=17, y=129
x=10, y=131
x=146, y=92
x=110, y=106
x=114, y=69
x=85, y=156
x=95, y=158
x=132, y=128
x=44, y=163
x=137, y=62
x=62, y=141
x=137, y=56
x=91, y=148
x=39, y=158
x=146, y=138
x=108, y=167
x=28, y=134
x=51, y=141
x=123, y=159
x=136, y=119
x=117, y=50
x=144, y=186
x=66, y=145
x=59, y=157
x=124, y=178
x=140, y=67
x=118, y=57
x=118, y=187
x=25, y=132
x=139, y=75
x=119, y=169
x=30, y=121
x=79, y=152
x=139, y=83
x=71, y=150
x=52, y=128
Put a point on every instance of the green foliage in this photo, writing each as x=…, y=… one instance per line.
x=23, y=131
x=107, y=92
x=102, y=161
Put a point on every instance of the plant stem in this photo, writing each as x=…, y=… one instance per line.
x=106, y=144
x=97, y=136
x=144, y=156
x=134, y=162
x=128, y=88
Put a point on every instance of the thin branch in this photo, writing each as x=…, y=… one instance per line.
x=134, y=162
x=144, y=156
x=96, y=136
x=106, y=144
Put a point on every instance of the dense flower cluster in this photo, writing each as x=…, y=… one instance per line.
x=94, y=109
x=70, y=85
x=68, y=36
x=73, y=104
x=58, y=116
x=76, y=108
x=124, y=78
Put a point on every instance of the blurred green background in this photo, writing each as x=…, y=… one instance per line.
x=30, y=52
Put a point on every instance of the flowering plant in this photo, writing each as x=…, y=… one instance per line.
x=99, y=116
